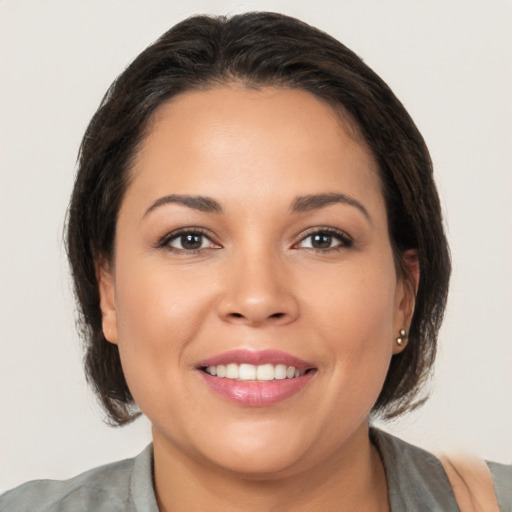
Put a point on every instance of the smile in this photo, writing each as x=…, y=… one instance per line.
x=256, y=378
x=263, y=372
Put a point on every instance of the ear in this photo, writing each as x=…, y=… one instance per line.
x=107, y=301
x=406, y=296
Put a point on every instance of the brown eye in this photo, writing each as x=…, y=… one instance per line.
x=322, y=240
x=192, y=241
x=189, y=241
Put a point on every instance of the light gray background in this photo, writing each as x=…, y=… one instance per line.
x=450, y=62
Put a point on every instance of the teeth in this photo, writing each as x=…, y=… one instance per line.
x=246, y=372
x=280, y=372
x=232, y=371
x=263, y=372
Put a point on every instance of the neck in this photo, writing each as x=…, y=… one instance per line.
x=351, y=479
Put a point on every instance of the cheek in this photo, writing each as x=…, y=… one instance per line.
x=362, y=300
x=156, y=305
x=159, y=314
x=356, y=321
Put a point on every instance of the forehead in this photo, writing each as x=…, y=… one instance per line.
x=238, y=139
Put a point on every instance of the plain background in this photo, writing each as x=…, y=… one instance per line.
x=450, y=62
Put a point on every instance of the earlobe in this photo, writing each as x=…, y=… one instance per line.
x=107, y=302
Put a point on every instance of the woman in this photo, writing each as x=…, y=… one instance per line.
x=258, y=253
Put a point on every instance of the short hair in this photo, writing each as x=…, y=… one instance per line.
x=257, y=49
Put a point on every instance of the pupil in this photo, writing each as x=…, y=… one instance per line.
x=191, y=241
x=321, y=241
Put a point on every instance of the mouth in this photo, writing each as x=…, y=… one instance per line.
x=256, y=378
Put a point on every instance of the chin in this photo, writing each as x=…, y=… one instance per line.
x=260, y=465
x=260, y=454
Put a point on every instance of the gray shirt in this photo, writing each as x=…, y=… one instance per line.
x=416, y=482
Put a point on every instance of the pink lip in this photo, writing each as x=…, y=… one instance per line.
x=257, y=358
x=256, y=393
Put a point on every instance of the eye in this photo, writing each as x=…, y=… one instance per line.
x=190, y=241
x=325, y=240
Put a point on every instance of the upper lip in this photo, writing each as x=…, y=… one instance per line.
x=259, y=357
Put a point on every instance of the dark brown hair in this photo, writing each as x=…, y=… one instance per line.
x=256, y=49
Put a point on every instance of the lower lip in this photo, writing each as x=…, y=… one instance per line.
x=256, y=393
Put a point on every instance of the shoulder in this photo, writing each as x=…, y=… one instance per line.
x=416, y=478
x=502, y=479
x=107, y=488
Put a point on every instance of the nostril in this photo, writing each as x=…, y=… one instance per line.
x=274, y=315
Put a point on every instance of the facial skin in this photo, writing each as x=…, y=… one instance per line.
x=256, y=283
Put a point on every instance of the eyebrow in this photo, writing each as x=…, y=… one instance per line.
x=201, y=203
x=316, y=201
x=301, y=204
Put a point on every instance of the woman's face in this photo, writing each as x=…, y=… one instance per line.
x=252, y=242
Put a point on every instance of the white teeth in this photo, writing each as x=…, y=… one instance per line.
x=247, y=372
x=232, y=371
x=280, y=372
x=263, y=372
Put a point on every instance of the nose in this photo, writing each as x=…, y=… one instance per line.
x=258, y=291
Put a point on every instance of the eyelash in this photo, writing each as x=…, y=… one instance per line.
x=165, y=241
x=345, y=240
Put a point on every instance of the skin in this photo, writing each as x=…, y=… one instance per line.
x=256, y=283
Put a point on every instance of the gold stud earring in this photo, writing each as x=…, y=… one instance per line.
x=402, y=339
